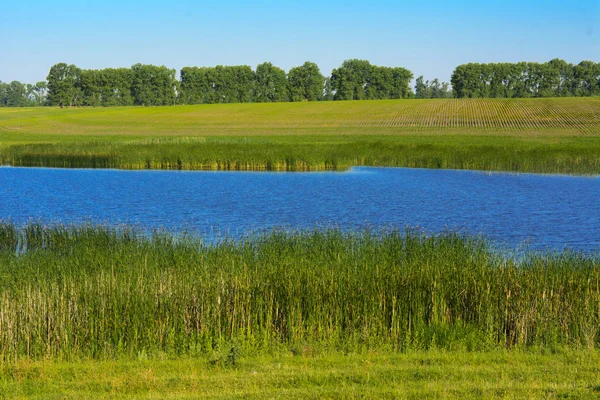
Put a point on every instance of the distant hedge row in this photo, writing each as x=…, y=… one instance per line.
x=556, y=78
x=68, y=85
x=157, y=85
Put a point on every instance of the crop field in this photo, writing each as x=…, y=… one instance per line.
x=565, y=115
x=529, y=135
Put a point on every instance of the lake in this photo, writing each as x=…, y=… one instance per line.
x=536, y=211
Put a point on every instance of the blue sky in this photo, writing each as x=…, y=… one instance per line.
x=428, y=37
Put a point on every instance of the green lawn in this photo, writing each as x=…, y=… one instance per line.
x=531, y=135
x=433, y=374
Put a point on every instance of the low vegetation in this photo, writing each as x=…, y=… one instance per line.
x=528, y=135
x=414, y=375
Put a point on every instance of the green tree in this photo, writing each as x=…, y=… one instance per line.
x=527, y=79
x=3, y=87
x=16, y=94
x=431, y=90
x=422, y=89
x=271, y=84
x=115, y=86
x=240, y=82
x=564, y=85
x=586, y=76
x=327, y=90
x=220, y=84
x=350, y=80
x=440, y=90
x=40, y=90
x=153, y=86
x=306, y=83
x=90, y=86
x=62, y=85
x=194, y=85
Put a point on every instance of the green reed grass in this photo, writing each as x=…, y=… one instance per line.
x=579, y=156
x=89, y=291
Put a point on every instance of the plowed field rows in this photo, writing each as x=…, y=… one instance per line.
x=569, y=115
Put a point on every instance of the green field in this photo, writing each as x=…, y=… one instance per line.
x=534, y=135
x=416, y=375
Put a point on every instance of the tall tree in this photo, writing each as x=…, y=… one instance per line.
x=306, y=82
x=90, y=86
x=431, y=90
x=153, y=85
x=422, y=89
x=564, y=84
x=16, y=94
x=195, y=87
x=527, y=79
x=62, y=85
x=114, y=85
x=359, y=80
x=271, y=84
x=586, y=76
x=3, y=87
x=327, y=90
x=40, y=89
x=220, y=84
x=350, y=80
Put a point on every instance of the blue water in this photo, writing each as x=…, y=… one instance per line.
x=537, y=211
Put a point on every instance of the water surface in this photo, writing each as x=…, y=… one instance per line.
x=539, y=211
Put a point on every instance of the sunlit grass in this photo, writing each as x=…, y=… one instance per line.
x=528, y=135
x=413, y=375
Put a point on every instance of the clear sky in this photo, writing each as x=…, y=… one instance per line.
x=428, y=37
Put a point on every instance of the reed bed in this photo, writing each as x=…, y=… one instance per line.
x=99, y=292
x=316, y=154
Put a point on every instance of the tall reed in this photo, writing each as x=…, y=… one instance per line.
x=91, y=291
x=311, y=154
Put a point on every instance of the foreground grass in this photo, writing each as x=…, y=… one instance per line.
x=95, y=292
x=527, y=135
x=432, y=374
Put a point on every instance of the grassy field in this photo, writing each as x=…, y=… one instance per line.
x=534, y=135
x=416, y=375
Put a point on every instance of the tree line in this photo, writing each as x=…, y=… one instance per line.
x=150, y=85
x=146, y=85
x=556, y=78
x=17, y=94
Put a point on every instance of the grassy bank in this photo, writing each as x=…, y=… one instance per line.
x=529, y=135
x=93, y=292
x=432, y=374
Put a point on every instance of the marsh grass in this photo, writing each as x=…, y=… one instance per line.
x=315, y=154
x=90, y=291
